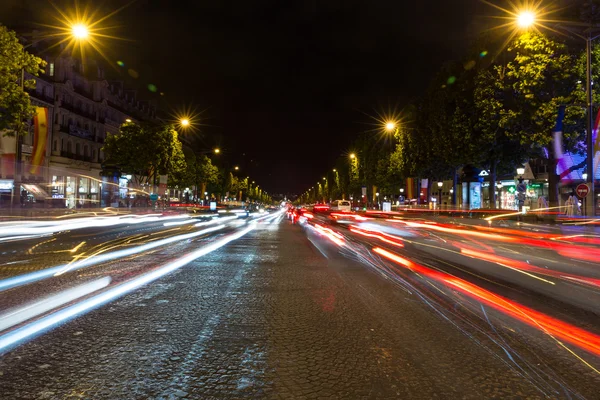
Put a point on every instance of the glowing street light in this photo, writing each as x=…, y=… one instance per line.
x=128, y=120
x=236, y=168
x=526, y=19
x=390, y=126
x=184, y=122
x=217, y=150
x=352, y=155
x=80, y=31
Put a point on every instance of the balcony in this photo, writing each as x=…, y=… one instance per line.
x=72, y=108
x=73, y=156
x=40, y=96
x=77, y=132
x=80, y=90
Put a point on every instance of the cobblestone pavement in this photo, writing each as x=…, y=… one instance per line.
x=280, y=313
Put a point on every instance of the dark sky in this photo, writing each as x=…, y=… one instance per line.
x=286, y=82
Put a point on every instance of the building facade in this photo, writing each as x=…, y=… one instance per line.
x=84, y=107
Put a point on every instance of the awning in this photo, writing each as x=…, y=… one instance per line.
x=36, y=191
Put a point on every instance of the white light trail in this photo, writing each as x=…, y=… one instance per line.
x=94, y=260
x=22, y=314
x=29, y=330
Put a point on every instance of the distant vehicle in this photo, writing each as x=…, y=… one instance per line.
x=320, y=208
x=341, y=205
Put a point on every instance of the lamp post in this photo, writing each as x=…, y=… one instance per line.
x=527, y=19
x=521, y=189
x=378, y=205
x=440, y=184
x=499, y=186
x=78, y=32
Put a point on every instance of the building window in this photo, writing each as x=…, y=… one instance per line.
x=85, y=151
x=77, y=149
x=69, y=147
x=93, y=154
x=55, y=145
x=51, y=69
x=62, y=145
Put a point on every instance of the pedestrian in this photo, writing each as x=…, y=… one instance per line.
x=542, y=202
x=521, y=196
x=572, y=205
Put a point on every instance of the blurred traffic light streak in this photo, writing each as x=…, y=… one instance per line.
x=555, y=328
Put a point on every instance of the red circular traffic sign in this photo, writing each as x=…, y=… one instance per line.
x=582, y=190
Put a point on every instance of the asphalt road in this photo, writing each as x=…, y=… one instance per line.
x=299, y=311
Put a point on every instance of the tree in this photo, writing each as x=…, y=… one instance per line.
x=146, y=151
x=206, y=175
x=518, y=100
x=15, y=105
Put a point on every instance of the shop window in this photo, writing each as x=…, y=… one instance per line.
x=51, y=69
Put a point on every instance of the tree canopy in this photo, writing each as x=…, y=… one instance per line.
x=15, y=105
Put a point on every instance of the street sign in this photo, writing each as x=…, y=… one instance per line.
x=582, y=190
x=153, y=197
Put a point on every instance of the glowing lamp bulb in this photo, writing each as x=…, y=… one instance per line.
x=526, y=19
x=80, y=31
x=390, y=126
x=185, y=122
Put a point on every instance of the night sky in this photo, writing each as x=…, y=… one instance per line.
x=288, y=83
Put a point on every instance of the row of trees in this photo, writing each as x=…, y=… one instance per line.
x=146, y=151
x=493, y=114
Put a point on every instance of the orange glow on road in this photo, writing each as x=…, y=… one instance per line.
x=551, y=326
x=393, y=240
x=330, y=234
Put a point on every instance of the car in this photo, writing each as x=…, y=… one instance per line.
x=320, y=208
x=341, y=205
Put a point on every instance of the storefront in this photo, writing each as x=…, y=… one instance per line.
x=6, y=189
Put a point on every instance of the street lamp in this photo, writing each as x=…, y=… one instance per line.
x=526, y=19
x=390, y=126
x=520, y=171
x=184, y=122
x=217, y=150
x=80, y=31
x=440, y=184
x=352, y=155
x=236, y=168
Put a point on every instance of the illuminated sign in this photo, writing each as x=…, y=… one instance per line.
x=6, y=184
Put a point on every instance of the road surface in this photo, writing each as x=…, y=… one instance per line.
x=265, y=308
